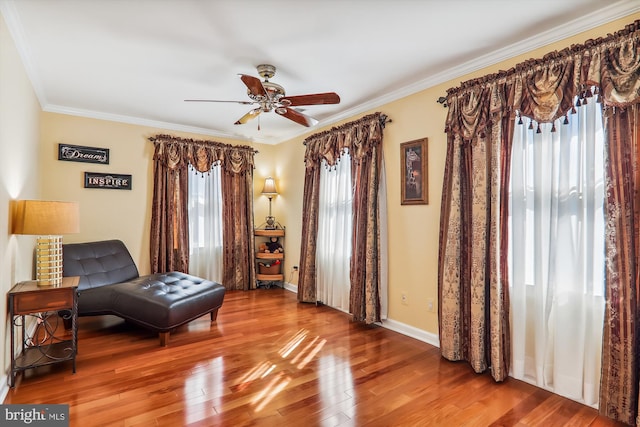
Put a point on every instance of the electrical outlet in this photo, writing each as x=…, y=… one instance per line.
x=430, y=304
x=404, y=299
x=295, y=268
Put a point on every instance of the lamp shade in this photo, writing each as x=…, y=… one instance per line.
x=269, y=187
x=42, y=218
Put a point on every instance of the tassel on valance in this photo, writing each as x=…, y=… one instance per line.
x=544, y=89
x=357, y=137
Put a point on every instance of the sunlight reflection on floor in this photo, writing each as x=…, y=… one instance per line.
x=208, y=385
x=292, y=350
x=272, y=376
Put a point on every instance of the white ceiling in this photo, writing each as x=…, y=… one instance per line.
x=135, y=61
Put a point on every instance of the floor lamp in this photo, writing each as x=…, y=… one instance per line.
x=48, y=220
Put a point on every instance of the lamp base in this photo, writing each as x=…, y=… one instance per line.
x=49, y=260
x=270, y=223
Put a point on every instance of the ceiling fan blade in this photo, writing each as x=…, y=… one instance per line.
x=250, y=115
x=217, y=100
x=254, y=84
x=296, y=116
x=311, y=99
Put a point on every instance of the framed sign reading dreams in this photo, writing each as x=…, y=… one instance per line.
x=78, y=153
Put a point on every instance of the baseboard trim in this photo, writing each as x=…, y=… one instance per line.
x=4, y=390
x=394, y=325
x=413, y=332
x=292, y=288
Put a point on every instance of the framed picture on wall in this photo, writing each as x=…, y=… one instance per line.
x=413, y=166
x=114, y=181
x=79, y=153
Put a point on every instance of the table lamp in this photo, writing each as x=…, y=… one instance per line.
x=270, y=191
x=48, y=220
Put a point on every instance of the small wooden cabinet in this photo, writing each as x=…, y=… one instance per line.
x=269, y=266
x=48, y=342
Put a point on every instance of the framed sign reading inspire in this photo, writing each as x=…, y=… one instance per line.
x=112, y=181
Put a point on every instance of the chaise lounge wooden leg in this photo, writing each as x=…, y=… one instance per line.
x=164, y=338
x=214, y=315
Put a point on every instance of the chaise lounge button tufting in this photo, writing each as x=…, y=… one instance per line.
x=110, y=284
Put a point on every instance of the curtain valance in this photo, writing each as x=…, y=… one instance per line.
x=544, y=89
x=176, y=153
x=357, y=137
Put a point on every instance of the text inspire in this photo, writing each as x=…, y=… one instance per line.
x=108, y=181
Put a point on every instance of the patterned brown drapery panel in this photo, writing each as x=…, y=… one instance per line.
x=363, y=140
x=169, y=220
x=621, y=333
x=473, y=276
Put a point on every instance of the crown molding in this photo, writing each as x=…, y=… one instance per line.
x=143, y=122
x=610, y=13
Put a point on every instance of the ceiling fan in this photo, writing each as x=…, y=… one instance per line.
x=269, y=96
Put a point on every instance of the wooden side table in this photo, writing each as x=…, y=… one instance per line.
x=48, y=342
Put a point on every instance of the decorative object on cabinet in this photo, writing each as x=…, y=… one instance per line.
x=78, y=153
x=270, y=191
x=49, y=342
x=114, y=181
x=269, y=256
x=49, y=220
x=413, y=163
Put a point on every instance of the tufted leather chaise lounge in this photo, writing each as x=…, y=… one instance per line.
x=110, y=284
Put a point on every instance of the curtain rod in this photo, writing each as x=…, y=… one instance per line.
x=384, y=119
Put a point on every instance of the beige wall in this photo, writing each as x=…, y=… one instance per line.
x=19, y=175
x=266, y=166
x=288, y=165
x=105, y=214
x=29, y=169
x=413, y=230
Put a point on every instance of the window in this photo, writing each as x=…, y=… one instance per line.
x=333, y=251
x=205, y=224
x=557, y=253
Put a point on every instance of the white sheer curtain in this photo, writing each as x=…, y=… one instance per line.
x=557, y=254
x=205, y=225
x=333, y=251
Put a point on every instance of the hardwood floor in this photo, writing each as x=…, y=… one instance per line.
x=270, y=361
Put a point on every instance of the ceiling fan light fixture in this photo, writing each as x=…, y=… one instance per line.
x=266, y=71
x=256, y=98
x=270, y=96
x=274, y=90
